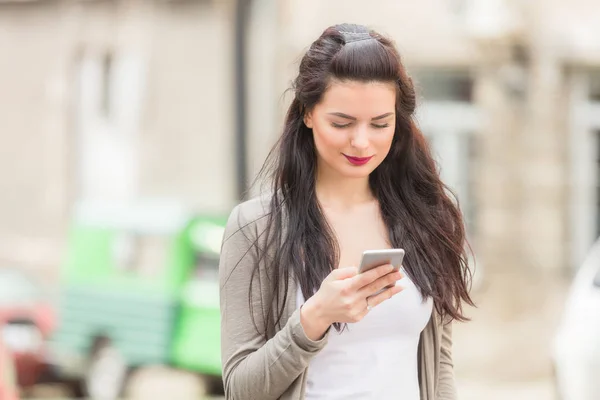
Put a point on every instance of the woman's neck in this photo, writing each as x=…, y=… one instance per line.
x=343, y=193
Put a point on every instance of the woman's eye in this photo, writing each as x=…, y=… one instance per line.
x=377, y=126
x=380, y=126
x=340, y=125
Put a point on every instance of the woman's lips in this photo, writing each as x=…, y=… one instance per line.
x=358, y=160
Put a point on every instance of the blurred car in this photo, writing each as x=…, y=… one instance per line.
x=8, y=384
x=26, y=320
x=576, y=350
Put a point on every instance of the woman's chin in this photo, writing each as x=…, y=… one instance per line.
x=356, y=172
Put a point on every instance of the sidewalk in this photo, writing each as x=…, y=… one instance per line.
x=505, y=351
x=540, y=390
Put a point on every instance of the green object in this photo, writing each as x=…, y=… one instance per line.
x=145, y=278
x=197, y=336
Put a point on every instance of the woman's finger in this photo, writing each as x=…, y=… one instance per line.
x=366, y=278
x=383, y=296
x=344, y=273
x=377, y=285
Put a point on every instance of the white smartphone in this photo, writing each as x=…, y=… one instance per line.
x=375, y=258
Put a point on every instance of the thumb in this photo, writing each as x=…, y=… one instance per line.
x=344, y=273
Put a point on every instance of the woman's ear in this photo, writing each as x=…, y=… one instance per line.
x=308, y=119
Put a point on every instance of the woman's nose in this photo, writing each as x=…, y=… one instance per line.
x=360, y=138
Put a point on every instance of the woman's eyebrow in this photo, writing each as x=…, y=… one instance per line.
x=382, y=116
x=346, y=116
x=342, y=115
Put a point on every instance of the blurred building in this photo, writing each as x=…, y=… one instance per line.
x=116, y=100
x=109, y=102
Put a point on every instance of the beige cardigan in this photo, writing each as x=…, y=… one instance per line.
x=255, y=369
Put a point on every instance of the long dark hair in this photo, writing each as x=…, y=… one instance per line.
x=416, y=206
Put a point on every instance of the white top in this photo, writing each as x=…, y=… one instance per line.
x=376, y=358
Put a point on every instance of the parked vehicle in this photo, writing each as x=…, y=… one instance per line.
x=139, y=288
x=27, y=320
x=577, y=344
x=8, y=379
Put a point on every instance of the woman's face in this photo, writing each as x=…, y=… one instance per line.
x=353, y=127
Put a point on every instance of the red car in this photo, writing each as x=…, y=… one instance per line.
x=8, y=384
x=26, y=321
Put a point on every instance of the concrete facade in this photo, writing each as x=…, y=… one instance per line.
x=163, y=126
x=110, y=101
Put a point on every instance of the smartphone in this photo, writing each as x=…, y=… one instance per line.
x=375, y=258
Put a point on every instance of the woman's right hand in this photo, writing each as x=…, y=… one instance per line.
x=344, y=296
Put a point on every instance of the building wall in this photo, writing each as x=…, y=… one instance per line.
x=523, y=184
x=34, y=142
x=180, y=130
x=188, y=122
x=433, y=36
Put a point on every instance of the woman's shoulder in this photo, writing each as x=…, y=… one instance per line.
x=250, y=213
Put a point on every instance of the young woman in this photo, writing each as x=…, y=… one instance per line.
x=351, y=172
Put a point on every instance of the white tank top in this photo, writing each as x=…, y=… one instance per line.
x=376, y=358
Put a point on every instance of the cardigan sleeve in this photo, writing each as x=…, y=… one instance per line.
x=446, y=388
x=254, y=368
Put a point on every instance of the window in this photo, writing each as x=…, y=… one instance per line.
x=152, y=255
x=444, y=85
x=469, y=161
x=207, y=267
x=456, y=156
x=450, y=121
x=106, y=82
x=594, y=92
x=109, y=97
x=584, y=148
x=458, y=7
x=597, y=164
x=202, y=289
x=142, y=254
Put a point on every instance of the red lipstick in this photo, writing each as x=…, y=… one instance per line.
x=358, y=160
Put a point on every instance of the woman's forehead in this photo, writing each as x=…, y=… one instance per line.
x=359, y=98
